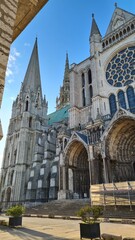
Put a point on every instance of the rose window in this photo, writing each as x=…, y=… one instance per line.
x=121, y=69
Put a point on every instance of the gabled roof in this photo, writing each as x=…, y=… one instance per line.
x=58, y=115
x=119, y=17
x=80, y=137
x=83, y=137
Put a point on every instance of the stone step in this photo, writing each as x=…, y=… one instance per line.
x=59, y=207
x=71, y=207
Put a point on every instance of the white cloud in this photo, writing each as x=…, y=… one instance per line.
x=26, y=44
x=11, y=67
x=12, y=98
x=15, y=52
x=10, y=80
x=9, y=72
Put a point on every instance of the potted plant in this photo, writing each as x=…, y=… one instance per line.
x=90, y=228
x=15, y=215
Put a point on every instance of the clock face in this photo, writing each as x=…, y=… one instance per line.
x=121, y=69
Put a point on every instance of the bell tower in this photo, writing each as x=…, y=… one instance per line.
x=28, y=120
x=65, y=89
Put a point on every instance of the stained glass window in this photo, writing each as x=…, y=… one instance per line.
x=112, y=103
x=121, y=69
x=121, y=99
x=131, y=98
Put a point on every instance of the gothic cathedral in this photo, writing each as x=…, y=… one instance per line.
x=90, y=138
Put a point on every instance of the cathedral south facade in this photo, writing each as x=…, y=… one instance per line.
x=90, y=138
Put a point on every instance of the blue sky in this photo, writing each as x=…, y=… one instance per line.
x=61, y=26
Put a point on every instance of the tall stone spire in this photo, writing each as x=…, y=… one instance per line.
x=94, y=27
x=30, y=98
x=64, y=97
x=32, y=78
x=66, y=73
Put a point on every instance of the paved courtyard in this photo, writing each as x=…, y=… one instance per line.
x=58, y=229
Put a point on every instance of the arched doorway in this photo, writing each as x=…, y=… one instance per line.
x=8, y=195
x=78, y=170
x=120, y=150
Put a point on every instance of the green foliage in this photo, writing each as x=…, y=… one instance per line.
x=15, y=211
x=90, y=214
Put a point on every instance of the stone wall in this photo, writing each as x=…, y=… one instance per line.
x=8, y=11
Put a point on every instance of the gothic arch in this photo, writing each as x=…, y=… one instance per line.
x=8, y=194
x=2, y=195
x=120, y=149
x=76, y=162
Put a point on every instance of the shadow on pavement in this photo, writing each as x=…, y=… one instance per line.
x=28, y=234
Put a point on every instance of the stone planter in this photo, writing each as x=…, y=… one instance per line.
x=89, y=230
x=15, y=221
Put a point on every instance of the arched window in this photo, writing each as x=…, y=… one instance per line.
x=121, y=34
x=121, y=99
x=8, y=194
x=27, y=105
x=91, y=93
x=128, y=29
x=117, y=36
x=112, y=103
x=14, y=157
x=83, y=97
x=90, y=86
x=110, y=40
x=30, y=122
x=124, y=31
x=132, y=26
x=11, y=177
x=113, y=38
x=89, y=77
x=131, y=99
x=83, y=80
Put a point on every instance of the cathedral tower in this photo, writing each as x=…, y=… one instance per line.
x=28, y=120
x=65, y=89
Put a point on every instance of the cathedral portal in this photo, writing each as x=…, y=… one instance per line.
x=120, y=149
x=77, y=165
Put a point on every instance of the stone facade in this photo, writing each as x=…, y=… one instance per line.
x=90, y=141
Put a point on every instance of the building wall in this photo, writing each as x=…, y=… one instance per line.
x=93, y=146
x=8, y=12
x=101, y=88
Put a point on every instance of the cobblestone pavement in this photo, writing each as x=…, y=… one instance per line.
x=58, y=229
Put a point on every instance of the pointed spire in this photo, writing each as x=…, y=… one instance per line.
x=94, y=27
x=66, y=73
x=116, y=5
x=32, y=79
x=64, y=97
